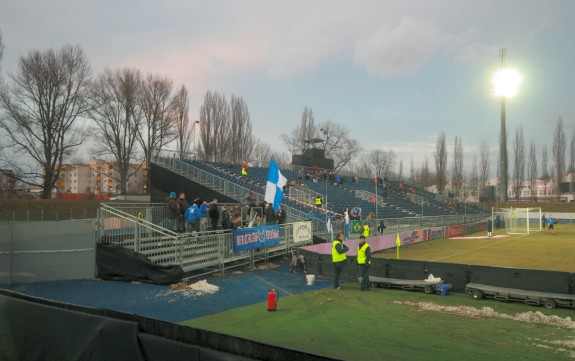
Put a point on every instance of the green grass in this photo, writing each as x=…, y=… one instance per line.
x=542, y=250
x=355, y=325
x=379, y=324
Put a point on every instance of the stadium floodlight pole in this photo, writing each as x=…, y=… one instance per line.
x=506, y=84
x=194, y=138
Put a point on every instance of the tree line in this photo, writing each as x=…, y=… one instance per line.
x=524, y=166
x=52, y=106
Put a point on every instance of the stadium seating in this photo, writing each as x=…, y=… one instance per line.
x=393, y=203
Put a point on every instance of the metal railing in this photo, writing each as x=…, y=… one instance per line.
x=228, y=188
x=197, y=253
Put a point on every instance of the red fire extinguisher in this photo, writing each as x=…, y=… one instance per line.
x=272, y=300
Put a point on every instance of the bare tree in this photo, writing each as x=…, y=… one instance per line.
x=484, y=164
x=157, y=128
x=240, y=140
x=400, y=172
x=281, y=158
x=474, y=178
x=214, y=121
x=411, y=169
x=440, y=163
x=380, y=162
x=184, y=128
x=114, y=109
x=532, y=170
x=519, y=162
x=425, y=176
x=559, y=144
x=572, y=161
x=302, y=137
x=262, y=152
x=338, y=144
x=41, y=105
x=457, y=168
x=545, y=176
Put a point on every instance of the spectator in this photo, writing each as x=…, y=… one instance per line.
x=192, y=216
x=270, y=214
x=204, y=209
x=172, y=212
x=214, y=214
x=250, y=198
x=310, y=215
x=182, y=205
x=226, y=218
x=245, y=169
x=281, y=215
x=381, y=226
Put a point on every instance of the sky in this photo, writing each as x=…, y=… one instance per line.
x=395, y=73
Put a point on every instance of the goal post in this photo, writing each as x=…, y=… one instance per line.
x=519, y=220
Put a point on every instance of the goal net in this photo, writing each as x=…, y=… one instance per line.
x=519, y=220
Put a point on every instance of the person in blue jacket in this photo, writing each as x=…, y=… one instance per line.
x=551, y=223
x=192, y=218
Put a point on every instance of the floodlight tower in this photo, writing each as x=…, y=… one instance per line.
x=506, y=84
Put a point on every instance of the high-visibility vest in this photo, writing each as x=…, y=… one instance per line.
x=361, y=254
x=366, y=230
x=335, y=255
x=318, y=201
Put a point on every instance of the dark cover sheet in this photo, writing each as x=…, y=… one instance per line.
x=121, y=264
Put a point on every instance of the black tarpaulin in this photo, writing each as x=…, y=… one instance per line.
x=121, y=264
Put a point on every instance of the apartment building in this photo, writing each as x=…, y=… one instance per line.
x=99, y=178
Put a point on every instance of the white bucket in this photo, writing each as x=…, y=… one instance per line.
x=309, y=279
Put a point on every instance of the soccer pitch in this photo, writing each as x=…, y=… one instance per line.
x=540, y=251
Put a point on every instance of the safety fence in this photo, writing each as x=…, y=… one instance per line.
x=137, y=228
x=36, y=251
x=55, y=214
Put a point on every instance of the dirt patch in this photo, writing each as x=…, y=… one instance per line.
x=466, y=311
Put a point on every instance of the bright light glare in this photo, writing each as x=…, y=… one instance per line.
x=506, y=82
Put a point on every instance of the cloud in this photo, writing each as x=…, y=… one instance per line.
x=404, y=49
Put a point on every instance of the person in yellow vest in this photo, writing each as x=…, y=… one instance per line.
x=318, y=202
x=364, y=260
x=338, y=257
x=366, y=230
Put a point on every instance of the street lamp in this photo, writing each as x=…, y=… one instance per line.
x=506, y=84
x=194, y=137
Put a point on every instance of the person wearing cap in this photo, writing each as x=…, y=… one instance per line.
x=172, y=212
x=363, y=261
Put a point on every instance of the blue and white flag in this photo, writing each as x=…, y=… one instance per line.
x=275, y=186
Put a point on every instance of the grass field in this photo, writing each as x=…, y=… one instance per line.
x=541, y=251
x=403, y=325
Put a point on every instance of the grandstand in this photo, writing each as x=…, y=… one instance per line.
x=391, y=203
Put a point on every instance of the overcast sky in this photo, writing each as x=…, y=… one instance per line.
x=395, y=73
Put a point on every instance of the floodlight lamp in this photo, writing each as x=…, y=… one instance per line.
x=506, y=82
